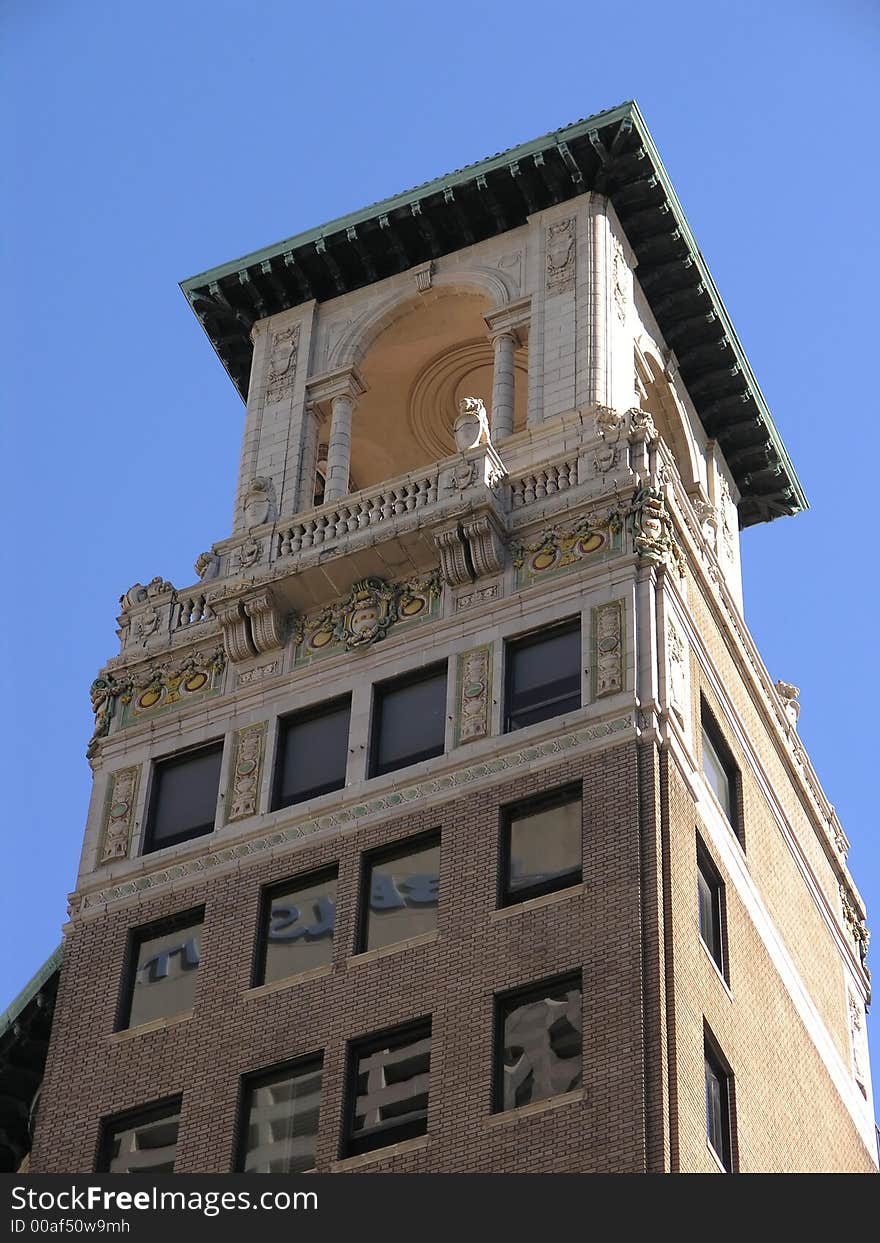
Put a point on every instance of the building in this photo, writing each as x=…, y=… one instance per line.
x=451, y=821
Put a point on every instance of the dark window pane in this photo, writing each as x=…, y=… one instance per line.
x=390, y=1100
x=281, y=1122
x=542, y=848
x=543, y=677
x=717, y=1109
x=313, y=754
x=184, y=798
x=166, y=965
x=718, y=774
x=142, y=1144
x=401, y=895
x=410, y=722
x=298, y=927
x=541, y=1045
x=709, y=905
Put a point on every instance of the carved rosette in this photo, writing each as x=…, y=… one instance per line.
x=561, y=255
x=679, y=695
x=119, y=814
x=244, y=778
x=474, y=694
x=607, y=628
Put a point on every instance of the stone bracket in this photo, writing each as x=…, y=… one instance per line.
x=252, y=622
x=472, y=549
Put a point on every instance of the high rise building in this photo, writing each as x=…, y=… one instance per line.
x=450, y=821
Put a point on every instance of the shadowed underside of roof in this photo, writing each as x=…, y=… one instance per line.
x=611, y=153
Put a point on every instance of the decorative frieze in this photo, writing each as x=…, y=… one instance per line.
x=607, y=630
x=562, y=547
x=380, y=805
x=119, y=814
x=480, y=595
x=248, y=676
x=561, y=255
x=365, y=616
x=149, y=691
x=473, y=711
x=243, y=791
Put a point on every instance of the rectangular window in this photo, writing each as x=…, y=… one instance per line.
x=388, y=1088
x=184, y=798
x=543, y=677
x=540, y=846
x=163, y=962
x=720, y=770
x=718, y=1130
x=710, y=905
x=538, y=1045
x=312, y=753
x=400, y=892
x=297, y=921
x=141, y=1142
x=279, y=1127
x=409, y=720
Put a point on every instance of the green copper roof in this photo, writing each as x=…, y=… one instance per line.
x=612, y=153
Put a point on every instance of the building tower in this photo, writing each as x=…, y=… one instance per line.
x=450, y=821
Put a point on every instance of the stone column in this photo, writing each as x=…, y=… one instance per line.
x=503, y=386
x=508, y=326
x=598, y=386
x=339, y=389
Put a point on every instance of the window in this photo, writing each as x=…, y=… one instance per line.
x=400, y=892
x=710, y=904
x=296, y=926
x=540, y=846
x=163, y=962
x=718, y=1131
x=720, y=770
x=538, y=1042
x=543, y=676
x=280, y=1120
x=312, y=753
x=409, y=720
x=184, y=798
x=388, y=1088
x=141, y=1142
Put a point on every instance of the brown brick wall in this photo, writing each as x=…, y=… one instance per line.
x=788, y=1115
x=770, y=861
x=89, y=1076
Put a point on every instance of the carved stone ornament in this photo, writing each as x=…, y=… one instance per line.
x=423, y=275
x=119, y=814
x=453, y=559
x=244, y=777
x=609, y=424
x=481, y=595
x=365, y=616
x=620, y=279
x=859, y=1039
x=474, y=693
x=471, y=428
x=641, y=425
x=139, y=594
x=248, y=676
x=678, y=673
x=653, y=538
x=258, y=503
x=282, y=363
x=789, y=696
x=485, y=544
x=608, y=656
x=561, y=255
x=855, y=925
x=707, y=516
x=153, y=689
x=250, y=553
x=207, y=565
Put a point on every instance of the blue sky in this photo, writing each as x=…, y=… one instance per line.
x=152, y=142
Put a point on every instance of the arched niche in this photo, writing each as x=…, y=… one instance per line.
x=656, y=395
x=418, y=357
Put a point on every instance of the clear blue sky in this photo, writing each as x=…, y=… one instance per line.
x=144, y=143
